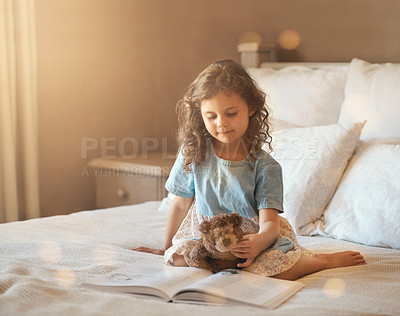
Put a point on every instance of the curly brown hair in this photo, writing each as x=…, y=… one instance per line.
x=229, y=77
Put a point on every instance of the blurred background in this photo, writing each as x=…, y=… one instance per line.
x=116, y=68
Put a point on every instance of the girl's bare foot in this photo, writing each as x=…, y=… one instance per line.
x=150, y=250
x=179, y=261
x=307, y=265
x=344, y=259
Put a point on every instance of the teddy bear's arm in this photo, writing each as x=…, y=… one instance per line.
x=198, y=257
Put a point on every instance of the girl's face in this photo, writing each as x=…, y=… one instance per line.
x=226, y=117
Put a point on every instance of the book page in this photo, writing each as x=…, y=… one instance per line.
x=167, y=279
x=249, y=288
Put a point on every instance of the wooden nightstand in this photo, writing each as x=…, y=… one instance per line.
x=131, y=181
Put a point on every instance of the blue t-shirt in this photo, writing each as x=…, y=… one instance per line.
x=222, y=186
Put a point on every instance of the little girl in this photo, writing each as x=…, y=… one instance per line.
x=221, y=168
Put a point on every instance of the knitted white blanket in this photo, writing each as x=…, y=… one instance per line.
x=43, y=262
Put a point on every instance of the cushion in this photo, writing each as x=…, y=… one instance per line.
x=313, y=160
x=372, y=93
x=366, y=206
x=277, y=125
x=303, y=96
x=166, y=203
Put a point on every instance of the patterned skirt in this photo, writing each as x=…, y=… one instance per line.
x=267, y=263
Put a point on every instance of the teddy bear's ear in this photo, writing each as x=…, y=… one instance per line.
x=236, y=219
x=205, y=227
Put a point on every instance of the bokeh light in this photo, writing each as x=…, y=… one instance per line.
x=334, y=288
x=289, y=39
x=65, y=277
x=50, y=252
x=105, y=254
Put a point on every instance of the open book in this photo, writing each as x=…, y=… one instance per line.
x=193, y=285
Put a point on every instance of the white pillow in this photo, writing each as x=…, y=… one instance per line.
x=303, y=96
x=313, y=160
x=366, y=206
x=372, y=93
x=166, y=203
x=277, y=125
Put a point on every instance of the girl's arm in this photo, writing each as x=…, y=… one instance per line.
x=177, y=213
x=253, y=244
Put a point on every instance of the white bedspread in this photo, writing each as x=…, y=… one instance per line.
x=43, y=262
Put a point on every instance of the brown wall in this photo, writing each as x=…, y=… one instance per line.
x=115, y=68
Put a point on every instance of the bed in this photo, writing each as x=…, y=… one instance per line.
x=346, y=183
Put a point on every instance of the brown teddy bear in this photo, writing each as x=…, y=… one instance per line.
x=218, y=236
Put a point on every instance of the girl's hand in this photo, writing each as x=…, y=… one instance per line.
x=249, y=248
x=150, y=250
x=253, y=244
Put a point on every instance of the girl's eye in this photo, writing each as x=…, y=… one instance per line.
x=232, y=114
x=212, y=117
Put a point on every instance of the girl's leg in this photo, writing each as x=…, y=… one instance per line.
x=179, y=261
x=307, y=265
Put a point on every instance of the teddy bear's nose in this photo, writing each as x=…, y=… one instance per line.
x=226, y=241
